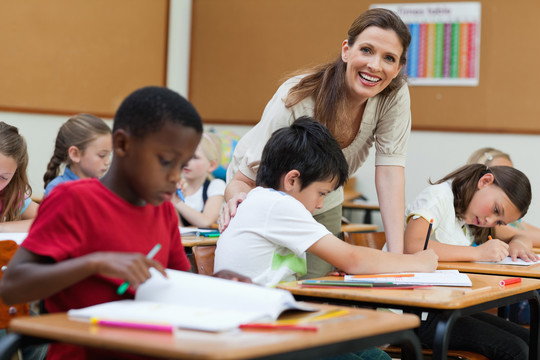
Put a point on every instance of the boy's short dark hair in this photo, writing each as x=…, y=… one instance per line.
x=146, y=110
x=306, y=146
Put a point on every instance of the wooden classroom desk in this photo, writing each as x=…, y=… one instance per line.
x=450, y=302
x=350, y=205
x=531, y=271
x=189, y=241
x=358, y=329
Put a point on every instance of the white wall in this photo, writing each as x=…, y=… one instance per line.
x=431, y=154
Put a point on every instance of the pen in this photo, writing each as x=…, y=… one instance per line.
x=278, y=327
x=509, y=281
x=122, y=288
x=180, y=195
x=428, y=233
x=124, y=324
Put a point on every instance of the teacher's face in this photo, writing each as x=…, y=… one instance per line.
x=372, y=62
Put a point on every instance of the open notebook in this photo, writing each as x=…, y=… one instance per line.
x=194, y=301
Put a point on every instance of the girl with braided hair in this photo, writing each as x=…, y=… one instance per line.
x=84, y=146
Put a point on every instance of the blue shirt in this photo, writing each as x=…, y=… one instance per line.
x=68, y=175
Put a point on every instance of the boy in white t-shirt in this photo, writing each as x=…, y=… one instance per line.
x=273, y=228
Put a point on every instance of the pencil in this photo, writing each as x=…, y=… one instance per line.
x=278, y=327
x=428, y=234
x=122, y=288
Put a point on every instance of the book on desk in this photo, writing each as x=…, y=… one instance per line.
x=397, y=280
x=192, y=301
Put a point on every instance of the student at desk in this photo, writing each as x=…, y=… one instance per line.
x=92, y=235
x=466, y=206
x=269, y=236
x=493, y=157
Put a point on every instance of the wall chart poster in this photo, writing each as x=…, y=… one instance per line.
x=445, y=44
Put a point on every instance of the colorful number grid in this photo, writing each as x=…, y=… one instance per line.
x=442, y=50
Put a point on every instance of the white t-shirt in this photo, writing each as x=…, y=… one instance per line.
x=437, y=202
x=195, y=201
x=386, y=123
x=268, y=237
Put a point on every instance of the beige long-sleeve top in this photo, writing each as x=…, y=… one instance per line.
x=386, y=122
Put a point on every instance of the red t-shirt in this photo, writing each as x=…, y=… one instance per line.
x=82, y=217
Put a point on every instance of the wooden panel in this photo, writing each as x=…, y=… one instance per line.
x=65, y=57
x=243, y=49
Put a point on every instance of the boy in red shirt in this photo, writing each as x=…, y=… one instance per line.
x=92, y=235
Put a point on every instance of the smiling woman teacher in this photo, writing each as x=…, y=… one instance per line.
x=362, y=98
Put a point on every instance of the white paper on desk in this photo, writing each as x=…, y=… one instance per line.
x=194, y=231
x=17, y=237
x=195, y=301
x=438, y=278
x=508, y=261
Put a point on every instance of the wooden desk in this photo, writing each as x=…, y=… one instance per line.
x=359, y=329
x=531, y=271
x=450, y=302
x=193, y=240
x=350, y=205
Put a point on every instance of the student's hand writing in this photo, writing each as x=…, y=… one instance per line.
x=492, y=250
x=231, y=275
x=130, y=267
x=519, y=249
x=228, y=210
x=427, y=260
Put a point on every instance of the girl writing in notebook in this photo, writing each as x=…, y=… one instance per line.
x=17, y=210
x=84, y=145
x=493, y=157
x=201, y=196
x=467, y=207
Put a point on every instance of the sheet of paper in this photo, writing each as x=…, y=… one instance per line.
x=17, y=237
x=194, y=230
x=508, y=261
x=439, y=278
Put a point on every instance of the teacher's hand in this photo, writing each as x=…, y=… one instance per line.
x=228, y=210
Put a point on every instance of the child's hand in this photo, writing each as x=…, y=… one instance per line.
x=492, y=250
x=519, y=249
x=130, y=267
x=231, y=275
x=336, y=272
x=228, y=210
x=427, y=260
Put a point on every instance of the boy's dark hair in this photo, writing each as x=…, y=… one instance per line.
x=146, y=110
x=306, y=146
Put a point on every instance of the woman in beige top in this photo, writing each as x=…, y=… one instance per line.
x=362, y=98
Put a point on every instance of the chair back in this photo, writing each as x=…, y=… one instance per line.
x=375, y=240
x=204, y=259
x=8, y=312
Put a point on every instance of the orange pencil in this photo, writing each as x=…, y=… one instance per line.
x=382, y=276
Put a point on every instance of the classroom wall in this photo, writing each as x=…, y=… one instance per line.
x=431, y=154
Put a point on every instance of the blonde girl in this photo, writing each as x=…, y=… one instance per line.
x=467, y=206
x=84, y=146
x=202, y=194
x=17, y=209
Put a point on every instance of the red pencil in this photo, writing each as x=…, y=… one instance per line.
x=509, y=281
x=278, y=327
